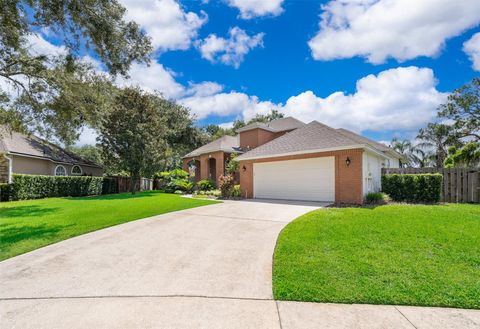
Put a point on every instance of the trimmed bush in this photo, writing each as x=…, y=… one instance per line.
x=25, y=187
x=5, y=191
x=413, y=187
x=206, y=185
x=376, y=198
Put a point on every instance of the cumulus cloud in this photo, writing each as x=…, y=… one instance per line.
x=166, y=22
x=255, y=8
x=472, y=49
x=404, y=98
x=226, y=104
x=230, y=51
x=401, y=98
x=39, y=46
x=154, y=77
x=400, y=29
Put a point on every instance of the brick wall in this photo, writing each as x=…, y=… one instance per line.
x=348, y=179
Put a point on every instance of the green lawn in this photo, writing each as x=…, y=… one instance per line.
x=396, y=254
x=28, y=225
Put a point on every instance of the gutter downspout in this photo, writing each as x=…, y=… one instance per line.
x=9, y=167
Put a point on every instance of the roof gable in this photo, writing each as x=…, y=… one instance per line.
x=230, y=144
x=21, y=144
x=313, y=137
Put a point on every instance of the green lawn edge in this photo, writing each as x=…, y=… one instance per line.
x=417, y=255
x=32, y=224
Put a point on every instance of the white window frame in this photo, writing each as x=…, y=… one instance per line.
x=55, y=171
x=75, y=174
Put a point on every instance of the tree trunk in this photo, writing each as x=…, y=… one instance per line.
x=134, y=178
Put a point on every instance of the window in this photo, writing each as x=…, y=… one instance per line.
x=76, y=170
x=60, y=171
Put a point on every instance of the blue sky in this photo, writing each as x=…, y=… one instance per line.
x=374, y=66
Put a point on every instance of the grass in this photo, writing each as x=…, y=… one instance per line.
x=395, y=254
x=28, y=225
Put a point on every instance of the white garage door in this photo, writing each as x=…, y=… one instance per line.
x=306, y=179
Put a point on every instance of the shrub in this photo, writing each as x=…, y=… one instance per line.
x=233, y=164
x=206, y=185
x=236, y=192
x=226, y=185
x=413, y=187
x=176, y=179
x=5, y=191
x=184, y=185
x=26, y=187
x=376, y=198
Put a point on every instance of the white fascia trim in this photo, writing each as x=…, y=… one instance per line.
x=48, y=159
x=372, y=150
x=341, y=148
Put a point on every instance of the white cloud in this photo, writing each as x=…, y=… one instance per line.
x=472, y=49
x=39, y=46
x=230, y=51
x=226, y=104
x=166, y=22
x=202, y=89
x=380, y=29
x=88, y=136
x=153, y=78
x=254, y=8
x=401, y=98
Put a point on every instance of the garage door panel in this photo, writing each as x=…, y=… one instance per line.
x=306, y=179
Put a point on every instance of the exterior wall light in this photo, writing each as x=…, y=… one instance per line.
x=348, y=161
x=244, y=168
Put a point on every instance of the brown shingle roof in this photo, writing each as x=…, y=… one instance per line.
x=21, y=144
x=365, y=140
x=277, y=125
x=311, y=137
x=230, y=144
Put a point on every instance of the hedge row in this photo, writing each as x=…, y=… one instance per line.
x=25, y=187
x=413, y=187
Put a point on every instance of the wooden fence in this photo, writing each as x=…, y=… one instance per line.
x=459, y=185
x=123, y=184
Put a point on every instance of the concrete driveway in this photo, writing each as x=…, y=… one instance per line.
x=207, y=267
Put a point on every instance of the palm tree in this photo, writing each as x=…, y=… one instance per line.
x=404, y=147
x=436, y=136
x=421, y=157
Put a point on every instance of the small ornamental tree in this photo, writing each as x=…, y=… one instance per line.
x=132, y=135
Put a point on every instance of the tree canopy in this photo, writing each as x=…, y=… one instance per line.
x=59, y=93
x=132, y=135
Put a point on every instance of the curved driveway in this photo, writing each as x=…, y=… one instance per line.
x=207, y=267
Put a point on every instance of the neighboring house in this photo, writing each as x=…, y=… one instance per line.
x=22, y=154
x=300, y=161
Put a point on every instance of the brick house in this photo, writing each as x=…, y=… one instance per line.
x=22, y=154
x=287, y=159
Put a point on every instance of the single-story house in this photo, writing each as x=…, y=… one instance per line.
x=23, y=154
x=208, y=161
x=287, y=159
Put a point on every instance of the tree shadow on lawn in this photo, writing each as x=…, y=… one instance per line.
x=121, y=196
x=25, y=211
x=13, y=234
